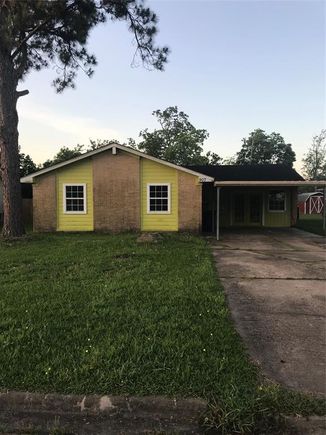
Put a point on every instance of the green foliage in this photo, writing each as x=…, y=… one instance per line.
x=99, y=143
x=232, y=160
x=314, y=162
x=210, y=158
x=176, y=141
x=64, y=154
x=261, y=148
x=37, y=34
x=27, y=166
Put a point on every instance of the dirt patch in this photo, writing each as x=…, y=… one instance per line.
x=149, y=238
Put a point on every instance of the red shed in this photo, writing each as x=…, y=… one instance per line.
x=311, y=202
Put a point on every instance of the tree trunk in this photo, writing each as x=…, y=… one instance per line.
x=9, y=158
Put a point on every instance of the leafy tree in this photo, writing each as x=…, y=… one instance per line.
x=260, y=147
x=27, y=166
x=212, y=158
x=176, y=141
x=64, y=154
x=314, y=162
x=35, y=34
x=230, y=160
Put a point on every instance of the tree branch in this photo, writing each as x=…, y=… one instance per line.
x=22, y=93
x=36, y=28
x=27, y=37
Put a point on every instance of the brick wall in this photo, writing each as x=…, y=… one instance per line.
x=116, y=184
x=190, y=202
x=44, y=203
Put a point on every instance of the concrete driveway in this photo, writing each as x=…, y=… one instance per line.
x=275, y=283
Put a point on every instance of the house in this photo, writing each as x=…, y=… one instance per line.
x=116, y=188
x=311, y=203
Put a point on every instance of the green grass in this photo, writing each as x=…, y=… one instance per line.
x=90, y=313
x=311, y=224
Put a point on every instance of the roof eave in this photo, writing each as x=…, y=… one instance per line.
x=269, y=183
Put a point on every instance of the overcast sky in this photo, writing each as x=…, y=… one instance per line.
x=234, y=66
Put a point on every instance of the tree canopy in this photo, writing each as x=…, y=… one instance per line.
x=27, y=166
x=260, y=148
x=66, y=153
x=35, y=34
x=63, y=154
x=314, y=162
x=94, y=144
x=176, y=141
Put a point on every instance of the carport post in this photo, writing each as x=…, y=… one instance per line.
x=217, y=213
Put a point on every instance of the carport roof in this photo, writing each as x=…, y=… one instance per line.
x=263, y=172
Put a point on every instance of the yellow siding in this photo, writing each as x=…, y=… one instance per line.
x=152, y=172
x=80, y=172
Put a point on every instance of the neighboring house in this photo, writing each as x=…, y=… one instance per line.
x=116, y=188
x=311, y=202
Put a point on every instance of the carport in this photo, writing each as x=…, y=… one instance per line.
x=250, y=196
x=259, y=203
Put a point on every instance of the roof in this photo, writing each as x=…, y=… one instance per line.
x=263, y=172
x=302, y=197
x=29, y=178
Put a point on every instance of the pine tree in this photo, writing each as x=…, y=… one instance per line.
x=35, y=34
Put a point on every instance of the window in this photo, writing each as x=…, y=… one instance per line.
x=276, y=200
x=74, y=198
x=158, y=196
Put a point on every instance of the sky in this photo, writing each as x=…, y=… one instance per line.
x=234, y=66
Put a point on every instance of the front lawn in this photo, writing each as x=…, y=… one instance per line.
x=90, y=313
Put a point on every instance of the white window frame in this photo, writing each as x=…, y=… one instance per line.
x=285, y=199
x=65, y=202
x=149, y=211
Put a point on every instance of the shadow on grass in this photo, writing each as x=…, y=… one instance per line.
x=314, y=226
